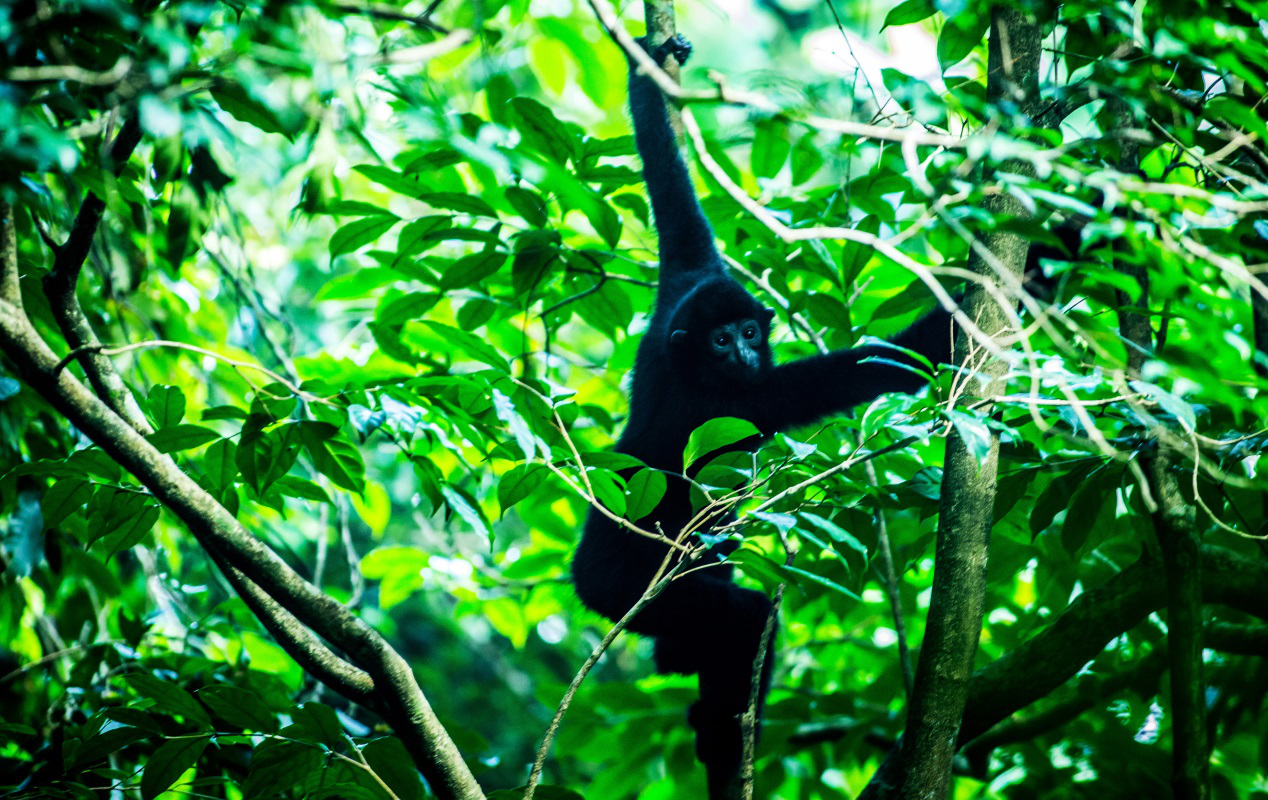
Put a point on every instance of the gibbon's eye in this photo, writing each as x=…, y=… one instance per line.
x=750, y=332
x=722, y=340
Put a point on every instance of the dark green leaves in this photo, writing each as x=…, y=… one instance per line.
x=168, y=698
x=169, y=762
x=63, y=498
x=175, y=438
x=120, y=518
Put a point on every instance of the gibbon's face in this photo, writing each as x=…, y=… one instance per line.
x=737, y=349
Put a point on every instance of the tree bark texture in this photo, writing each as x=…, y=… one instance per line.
x=968, y=488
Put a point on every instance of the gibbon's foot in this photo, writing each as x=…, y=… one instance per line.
x=676, y=46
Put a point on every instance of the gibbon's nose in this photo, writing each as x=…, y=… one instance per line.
x=746, y=355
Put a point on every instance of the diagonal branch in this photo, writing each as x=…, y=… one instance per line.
x=218, y=531
x=60, y=286
x=1032, y=671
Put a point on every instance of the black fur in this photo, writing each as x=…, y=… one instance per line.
x=703, y=623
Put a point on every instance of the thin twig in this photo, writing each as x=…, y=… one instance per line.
x=648, y=596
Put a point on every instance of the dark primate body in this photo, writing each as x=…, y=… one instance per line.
x=706, y=354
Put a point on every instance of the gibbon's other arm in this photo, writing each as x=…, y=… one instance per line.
x=809, y=389
x=686, y=240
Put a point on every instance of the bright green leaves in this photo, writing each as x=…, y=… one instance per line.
x=543, y=132
x=715, y=435
x=166, y=405
x=360, y=232
x=399, y=570
x=175, y=438
x=909, y=11
x=771, y=146
x=520, y=483
x=332, y=456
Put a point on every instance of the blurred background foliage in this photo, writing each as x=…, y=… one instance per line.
x=433, y=247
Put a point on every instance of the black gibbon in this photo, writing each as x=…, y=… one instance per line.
x=706, y=354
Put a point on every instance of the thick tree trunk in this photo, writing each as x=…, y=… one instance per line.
x=968, y=488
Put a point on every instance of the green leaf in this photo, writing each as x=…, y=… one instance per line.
x=541, y=130
x=462, y=203
x=643, y=492
x=472, y=269
x=908, y=12
x=175, y=438
x=771, y=145
x=397, y=309
x=358, y=233
x=400, y=570
x=168, y=698
x=473, y=345
x=716, y=434
x=467, y=508
x=528, y=268
x=528, y=204
x=234, y=99
x=120, y=518
x=337, y=459
x=239, y=707
x=265, y=455
x=169, y=762
x=399, y=182
x=1085, y=506
x=316, y=722
x=1055, y=497
x=1172, y=404
x=519, y=483
x=224, y=412
x=607, y=489
x=392, y=763
x=800, y=575
x=63, y=498
x=166, y=405
x=506, y=412
x=220, y=462
x=838, y=534
x=277, y=766
x=974, y=433
x=960, y=35
x=302, y=488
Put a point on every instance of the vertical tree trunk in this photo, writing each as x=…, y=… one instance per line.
x=968, y=490
x=1175, y=523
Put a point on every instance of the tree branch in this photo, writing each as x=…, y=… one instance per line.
x=1051, y=657
x=403, y=702
x=945, y=666
x=60, y=285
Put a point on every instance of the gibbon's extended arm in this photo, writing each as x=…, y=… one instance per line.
x=686, y=240
x=809, y=389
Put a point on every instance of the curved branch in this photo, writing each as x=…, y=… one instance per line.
x=404, y=704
